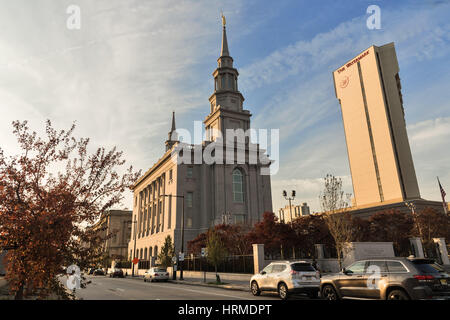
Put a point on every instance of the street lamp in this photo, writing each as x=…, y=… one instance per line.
x=292, y=197
x=134, y=249
x=289, y=199
x=182, y=233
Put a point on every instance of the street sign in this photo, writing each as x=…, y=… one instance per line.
x=175, y=268
x=174, y=259
x=181, y=256
x=204, y=252
x=135, y=261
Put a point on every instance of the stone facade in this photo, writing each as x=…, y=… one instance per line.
x=118, y=223
x=212, y=193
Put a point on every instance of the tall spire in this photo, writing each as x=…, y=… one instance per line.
x=173, y=137
x=173, y=122
x=224, y=52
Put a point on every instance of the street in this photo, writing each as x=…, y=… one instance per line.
x=106, y=288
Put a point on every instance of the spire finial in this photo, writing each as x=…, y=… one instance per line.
x=224, y=52
x=224, y=21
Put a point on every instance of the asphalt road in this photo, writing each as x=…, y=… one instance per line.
x=106, y=288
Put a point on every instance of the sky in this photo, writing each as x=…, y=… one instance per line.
x=132, y=63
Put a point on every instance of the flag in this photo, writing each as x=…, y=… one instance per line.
x=443, y=194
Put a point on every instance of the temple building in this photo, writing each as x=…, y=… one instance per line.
x=204, y=194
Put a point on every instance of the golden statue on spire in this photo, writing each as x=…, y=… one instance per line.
x=224, y=21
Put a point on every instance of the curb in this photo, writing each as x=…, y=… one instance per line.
x=201, y=284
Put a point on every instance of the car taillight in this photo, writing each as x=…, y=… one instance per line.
x=293, y=272
x=422, y=277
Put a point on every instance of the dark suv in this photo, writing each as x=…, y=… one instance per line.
x=388, y=278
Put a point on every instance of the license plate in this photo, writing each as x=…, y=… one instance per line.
x=444, y=282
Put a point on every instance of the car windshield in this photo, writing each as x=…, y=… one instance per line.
x=427, y=266
x=302, y=267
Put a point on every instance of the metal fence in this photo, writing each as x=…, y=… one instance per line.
x=232, y=264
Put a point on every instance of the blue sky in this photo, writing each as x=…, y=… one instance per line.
x=133, y=62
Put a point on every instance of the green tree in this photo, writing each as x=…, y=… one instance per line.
x=217, y=252
x=167, y=252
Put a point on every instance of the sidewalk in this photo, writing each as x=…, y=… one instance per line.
x=228, y=284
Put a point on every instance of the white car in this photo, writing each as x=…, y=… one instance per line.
x=156, y=274
x=287, y=277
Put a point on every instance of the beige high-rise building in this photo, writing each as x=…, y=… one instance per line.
x=369, y=92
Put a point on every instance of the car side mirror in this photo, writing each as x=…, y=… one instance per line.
x=263, y=272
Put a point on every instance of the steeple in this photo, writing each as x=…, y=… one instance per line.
x=173, y=137
x=226, y=101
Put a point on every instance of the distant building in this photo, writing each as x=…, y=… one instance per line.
x=369, y=91
x=284, y=214
x=117, y=225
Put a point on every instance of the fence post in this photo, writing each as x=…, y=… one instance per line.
x=258, y=257
x=442, y=250
x=416, y=243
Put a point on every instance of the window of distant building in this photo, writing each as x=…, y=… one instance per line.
x=238, y=188
x=189, y=199
x=189, y=172
x=170, y=174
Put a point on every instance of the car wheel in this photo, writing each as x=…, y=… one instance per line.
x=255, y=288
x=145, y=280
x=328, y=293
x=397, y=295
x=283, y=291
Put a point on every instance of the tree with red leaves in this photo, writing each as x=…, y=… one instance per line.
x=47, y=197
x=311, y=230
x=278, y=238
x=392, y=225
x=434, y=224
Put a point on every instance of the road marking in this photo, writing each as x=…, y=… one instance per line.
x=203, y=292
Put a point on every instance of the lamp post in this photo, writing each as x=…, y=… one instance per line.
x=180, y=263
x=292, y=197
x=134, y=249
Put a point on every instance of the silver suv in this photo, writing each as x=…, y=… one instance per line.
x=287, y=277
x=388, y=278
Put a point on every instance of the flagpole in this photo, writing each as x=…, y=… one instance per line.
x=444, y=204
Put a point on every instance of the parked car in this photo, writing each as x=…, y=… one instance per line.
x=156, y=274
x=116, y=272
x=287, y=277
x=388, y=279
x=99, y=272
